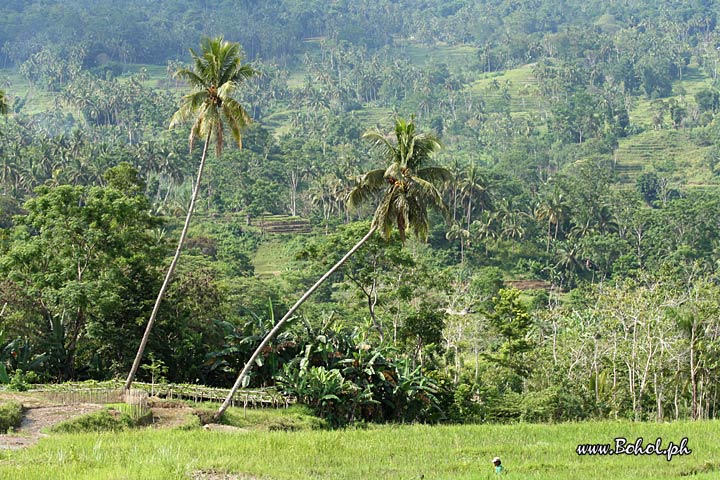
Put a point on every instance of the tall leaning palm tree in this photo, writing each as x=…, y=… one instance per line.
x=215, y=76
x=408, y=187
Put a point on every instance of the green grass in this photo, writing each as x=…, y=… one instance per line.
x=296, y=78
x=279, y=122
x=522, y=86
x=271, y=258
x=292, y=419
x=387, y=452
x=684, y=90
x=456, y=57
x=671, y=153
x=115, y=417
x=518, y=78
x=38, y=100
x=374, y=117
x=101, y=421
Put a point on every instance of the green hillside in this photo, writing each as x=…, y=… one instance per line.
x=530, y=190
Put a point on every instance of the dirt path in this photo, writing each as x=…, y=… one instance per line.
x=36, y=419
x=212, y=475
x=39, y=416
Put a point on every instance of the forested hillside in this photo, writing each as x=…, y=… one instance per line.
x=570, y=266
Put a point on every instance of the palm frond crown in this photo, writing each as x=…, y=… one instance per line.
x=409, y=186
x=215, y=76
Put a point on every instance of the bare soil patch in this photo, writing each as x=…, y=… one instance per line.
x=218, y=427
x=170, y=417
x=38, y=416
x=529, y=284
x=213, y=475
x=35, y=419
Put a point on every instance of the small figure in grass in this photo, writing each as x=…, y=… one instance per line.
x=498, y=465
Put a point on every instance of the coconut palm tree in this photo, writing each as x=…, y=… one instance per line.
x=215, y=76
x=4, y=107
x=475, y=186
x=458, y=232
x=408, y=188
x=555, y=210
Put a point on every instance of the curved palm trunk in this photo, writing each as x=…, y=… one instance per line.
x=171, y=269
x=282, y=321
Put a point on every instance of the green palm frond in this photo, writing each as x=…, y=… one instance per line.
x=435, y=174
x=189, y=107
x=409, y=149
x=238, y=117
x=380, y=142
x=226, y=90
x=210, y=118
x=192, y=78
x=215, y=77
x=423, y=145
x=367, y=186
x=430, y=195
x=418, y=218
x=411, y=185
x=393, y=171
x=401, y=205
x=384, y=218
x=246, y=72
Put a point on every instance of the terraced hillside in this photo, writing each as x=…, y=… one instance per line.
x=283, y=224
x=673, y=154
x=519, y=87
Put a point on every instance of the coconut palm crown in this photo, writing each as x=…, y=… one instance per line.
x=411, y=185
x=216, y=74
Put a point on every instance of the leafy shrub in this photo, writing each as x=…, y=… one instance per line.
x=10, y=415
x=20, y=380
x=359, y=382
x=192, y=422
x=465, y=408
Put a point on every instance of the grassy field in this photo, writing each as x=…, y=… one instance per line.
x=693, y=81
x=37, y=100
x=387, y=452
x=455, y=57
x=271, y=258
x=672, y=153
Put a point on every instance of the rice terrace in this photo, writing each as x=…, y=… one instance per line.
x=367, y=239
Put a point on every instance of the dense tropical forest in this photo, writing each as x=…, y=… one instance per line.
x=537, y=185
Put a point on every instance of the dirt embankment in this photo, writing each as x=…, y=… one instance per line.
x=38, y=418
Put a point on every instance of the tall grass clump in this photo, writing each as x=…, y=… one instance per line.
x=10, y=415
x=292, y=419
